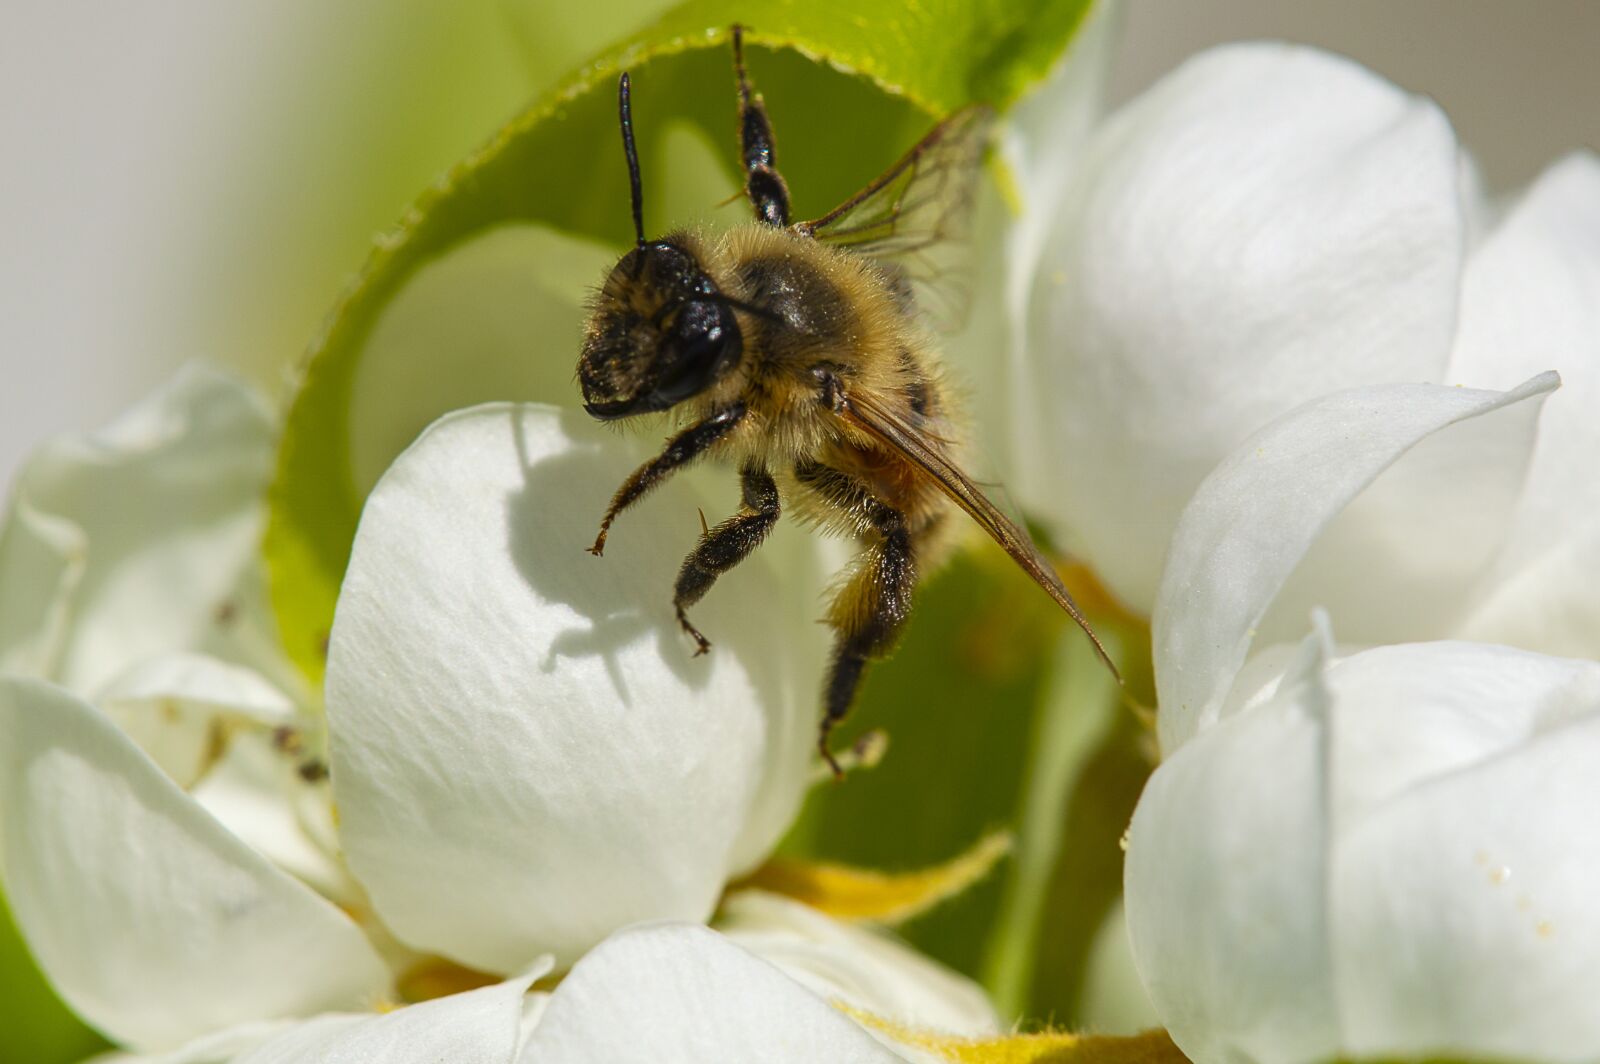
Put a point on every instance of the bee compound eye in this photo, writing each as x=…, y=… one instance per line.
x=703, y=343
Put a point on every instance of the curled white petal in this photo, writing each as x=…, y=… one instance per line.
x=1256, y=516
x=151, y=920
x=526, y=756
x=178, y=708
x=42, y=559
x=681, y=994
x=1266, y=225
x=141, y=538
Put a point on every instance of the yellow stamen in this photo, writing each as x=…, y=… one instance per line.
x=436, y=977
x=1045, y=1047
x=849, y=893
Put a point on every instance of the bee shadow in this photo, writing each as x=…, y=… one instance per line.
x=620, y=599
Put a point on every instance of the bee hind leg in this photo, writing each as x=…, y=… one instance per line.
x=726, y=545
x=867, y=614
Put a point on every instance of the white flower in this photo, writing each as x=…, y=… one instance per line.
x=99, y=576
x=672, y=994
x=657, y=992
x=1269, y=225
x=1389, y=854
x=1381, y=854
x=517, y=726
x=525, y=759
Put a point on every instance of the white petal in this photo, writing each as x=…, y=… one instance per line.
x=676, y=993
x=525, y=754
x=1545, y=604
x=1430, y=524
x=162, y=509
x=1266, y=225
x=1114, y=1000
x=1254, y=519
x=211, y=727
x=1407, y=714
x=257, y=792
x=218, y=1047
x=152, y=921
x=1462, y=790
x=1531, y=298
x=1464, y=909
x=475, y=1027
x=1429, y=816
x=42, y=558
x=175, y=706
x=1041, y=137
x=502, y=305
x=868, y=968
x=1226, y=881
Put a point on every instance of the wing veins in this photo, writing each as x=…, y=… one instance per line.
x=918, y=212
x=886, y=427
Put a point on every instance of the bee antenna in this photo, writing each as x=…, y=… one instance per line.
x=625, y=115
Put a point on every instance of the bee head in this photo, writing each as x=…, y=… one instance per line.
x=660, y=332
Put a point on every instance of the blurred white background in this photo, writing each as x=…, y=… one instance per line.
x=184, y=178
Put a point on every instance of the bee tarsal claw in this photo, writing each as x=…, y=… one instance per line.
x=702, y=645
x=828, y=758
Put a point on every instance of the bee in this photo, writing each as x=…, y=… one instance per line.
x=800, y=353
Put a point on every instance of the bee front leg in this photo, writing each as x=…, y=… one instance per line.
x=768, y=193
x=682, y=449
x=728, y=544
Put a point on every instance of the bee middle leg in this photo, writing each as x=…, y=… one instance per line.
x=728, y=544
x=768, y=192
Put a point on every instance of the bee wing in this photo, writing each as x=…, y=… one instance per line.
x=924, y=452
x=917, y=217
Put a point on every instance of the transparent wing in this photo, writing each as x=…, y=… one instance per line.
x=917, y=217
x=928, y=455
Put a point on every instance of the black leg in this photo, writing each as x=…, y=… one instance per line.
x=725, y=546
x=870, y=610
x=763, y=184
x=682, y=449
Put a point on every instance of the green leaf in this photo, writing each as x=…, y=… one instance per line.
x=999, y=715
x=956, y=700
x=38, y=1027
x=849, y=85
x=1072, y=723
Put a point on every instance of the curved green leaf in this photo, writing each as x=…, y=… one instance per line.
x=849, y=85
x=39, y=1028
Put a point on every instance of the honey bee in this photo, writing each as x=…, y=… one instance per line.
x=799, y=352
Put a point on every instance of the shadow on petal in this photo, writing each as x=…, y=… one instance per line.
x=552, y=556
